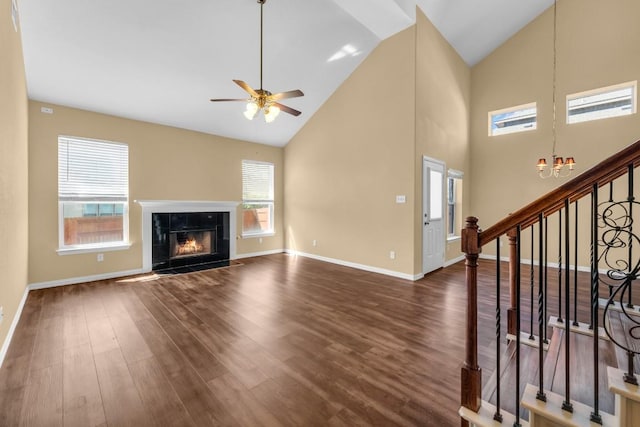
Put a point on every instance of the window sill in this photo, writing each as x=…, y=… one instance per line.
x=453, y=238
x=267, y=234
x=86, y=249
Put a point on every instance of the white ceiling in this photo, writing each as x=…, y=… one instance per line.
x=161, y=61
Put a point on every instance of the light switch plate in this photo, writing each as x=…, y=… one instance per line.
x=401, y=199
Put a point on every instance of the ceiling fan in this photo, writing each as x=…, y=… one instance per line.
x=262, y=99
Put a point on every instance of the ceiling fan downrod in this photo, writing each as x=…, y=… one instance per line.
x=262, y=2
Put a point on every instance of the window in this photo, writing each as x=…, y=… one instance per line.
x=603, y=103
x=454, y=203
x=257, y=198
x=93, y=194
x=515, y=119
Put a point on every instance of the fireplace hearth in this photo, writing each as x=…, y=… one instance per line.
x=189, y=241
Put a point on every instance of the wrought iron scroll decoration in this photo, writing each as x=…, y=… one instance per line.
x=617, y=236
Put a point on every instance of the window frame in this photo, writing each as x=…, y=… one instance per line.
x=633, y=85
x=64, y=249
x=453, y=175
x=515, y=108
x=266, y=201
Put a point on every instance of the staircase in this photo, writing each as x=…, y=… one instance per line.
x=574, y=259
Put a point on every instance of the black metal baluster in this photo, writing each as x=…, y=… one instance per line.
x=610, y=201
x=541, y=296
x=518, y=313
x=575, y=269
x=566, y=405
x=498, y=416
x=595, y=415
x=560, y=267
x=531, y=283
x=546, y=275
x=611, y=192
x=631, y=198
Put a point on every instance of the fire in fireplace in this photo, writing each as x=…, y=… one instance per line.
x=192, y=243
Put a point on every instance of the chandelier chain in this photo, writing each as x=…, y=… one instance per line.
x=553, y=129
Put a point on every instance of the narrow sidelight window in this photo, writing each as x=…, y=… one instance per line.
x=257, y=198
x=454, y=204
x=93, y=194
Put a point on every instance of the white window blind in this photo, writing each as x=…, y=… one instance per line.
x=257, y=181
x=91, y=170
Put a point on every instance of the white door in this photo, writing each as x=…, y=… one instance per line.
x=433, y=237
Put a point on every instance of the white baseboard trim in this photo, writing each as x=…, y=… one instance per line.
x=582, y=268
x=453, y=261
x=399, y=275
x=263, y=253
x=75, y=280
x=14, y=324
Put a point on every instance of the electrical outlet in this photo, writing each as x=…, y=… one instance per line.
x=100, y=257
x=392, y=255
x=314, y=242
x=260, y=240
x=1, y=314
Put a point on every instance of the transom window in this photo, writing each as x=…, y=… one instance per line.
x=602, y=103
x=257, y=198
x=93, y=194
x=520, y=118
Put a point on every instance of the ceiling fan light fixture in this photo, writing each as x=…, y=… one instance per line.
x=262, y=99
x=270, y=113
x=251, y=111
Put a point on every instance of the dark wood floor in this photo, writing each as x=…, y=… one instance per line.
x=275, y=340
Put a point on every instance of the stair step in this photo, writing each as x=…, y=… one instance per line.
x=484, y=417
x=582, y=328
x=627, y=398
x=551, y=411
x=527, y=339
x=615, y=305
x=618, y=386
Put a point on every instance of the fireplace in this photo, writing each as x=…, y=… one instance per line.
x=182, y=236
x=190, y=240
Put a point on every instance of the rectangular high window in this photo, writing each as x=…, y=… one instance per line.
x=93, y=194
x=257, y=198
x=520, y=118
x=602, y=103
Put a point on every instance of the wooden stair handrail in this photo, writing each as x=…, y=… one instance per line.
x=601, y=174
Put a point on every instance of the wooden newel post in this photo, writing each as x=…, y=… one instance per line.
x=471, y=378
x=511, y=311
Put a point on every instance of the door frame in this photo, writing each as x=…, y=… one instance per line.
x=425, y=197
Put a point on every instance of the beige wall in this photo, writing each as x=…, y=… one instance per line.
x=408, y=99
x=597, y=45
x=443, y=89
x=13, y=170
x=345, y=167
x=165, y=163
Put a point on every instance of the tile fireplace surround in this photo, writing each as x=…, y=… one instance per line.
x=149, y=207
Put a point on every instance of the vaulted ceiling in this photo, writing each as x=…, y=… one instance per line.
x=161, y=61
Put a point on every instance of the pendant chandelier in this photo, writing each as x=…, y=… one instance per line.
x=560, y=167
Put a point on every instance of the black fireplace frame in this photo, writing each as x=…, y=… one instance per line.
x=165, y=224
